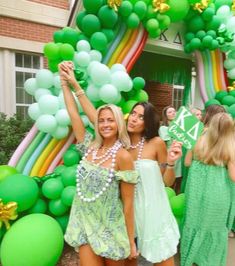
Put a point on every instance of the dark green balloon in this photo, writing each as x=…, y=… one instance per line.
x=228, y=100
x=71, y=157
x=92, y=6
x=220, y=95
x=211, y=102
x=39, y=207
x=196, y=24
x=79, y=19
x=58, y=36
x=90, y=24
x=63, y=221
x=57, y=208
x=138, y=83
x=125, y=9
x=99, y=41
x=108, y=17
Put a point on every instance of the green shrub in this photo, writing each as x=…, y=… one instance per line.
x=12, y=132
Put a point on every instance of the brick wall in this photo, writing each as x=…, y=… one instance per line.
x=21, y=29
x=64, y=4
x=160, y=95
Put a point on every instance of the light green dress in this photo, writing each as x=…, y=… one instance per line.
x=101, y=224
x=163, y=134
x=156, y=228
x=210, y=210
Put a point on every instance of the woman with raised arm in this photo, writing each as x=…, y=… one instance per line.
x=156, y=228
x=101, y=224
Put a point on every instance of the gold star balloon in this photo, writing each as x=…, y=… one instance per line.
x=231, y=88
x=7, y=212
x=200, y=6
x=114, y=4
x=160, y=6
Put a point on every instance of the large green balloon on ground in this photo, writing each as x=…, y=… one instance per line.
x=6, y=170
x=170, y=192
x=178, y=10
x=178, y=204
x=21, y=189
x=34, y=240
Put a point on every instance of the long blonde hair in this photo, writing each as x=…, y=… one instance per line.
x=121, y=125
x=216, y=145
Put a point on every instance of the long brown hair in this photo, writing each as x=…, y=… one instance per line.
x=164, y=115
x=211, y=110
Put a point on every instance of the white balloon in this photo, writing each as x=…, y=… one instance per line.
x=108, y=93
x=231, y=24
x=30, y=86
x=83, y=59
x=121, y=81
x=57, y=83
x=83, y=45
x=92, y=64
x=117, y=67
x=92, y=93
x=223, y=13
x=62, y=118
x=48, y=104
x=95, y=55
x=100, y=75
x=34, y=111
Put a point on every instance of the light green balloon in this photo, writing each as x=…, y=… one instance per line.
x=95, y=55
x=117, y=67
x=92, y=93
x=48, y=104
x=62, y=118
x=41, y=92
x=60, y=132
x=7, y=170
x=121, y=81
x=108, y=93
x=44, y=78
x=30, y=86
x=100, y=75
x=83, y=46
x=57, y=83
x=83, y=59
x=34, y=111
x=229, y=63
x=46, y=123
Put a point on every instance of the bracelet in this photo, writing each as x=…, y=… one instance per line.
x=170, y=165
x=79, y=93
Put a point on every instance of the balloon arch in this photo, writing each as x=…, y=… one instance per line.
x=110, y=37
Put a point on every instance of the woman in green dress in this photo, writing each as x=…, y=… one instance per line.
x=210, y=196
x=101, y=224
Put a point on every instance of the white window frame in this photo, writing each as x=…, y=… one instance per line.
x=175, y=100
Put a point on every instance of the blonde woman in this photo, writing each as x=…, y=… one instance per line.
x=101, y=224
x=210, y=195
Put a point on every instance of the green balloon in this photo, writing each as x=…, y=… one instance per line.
x=164, y=21
x=228, y=100
x=92, y=6
x=34, y=240
x=133, y=21
x=220, y=95
x=211, y=102
x=232, y=93
x=200, y=34
x=195, y=43
x=108, y=17
x=66, y=51
x=127, y=106
x=7, y=170
x=150, y=12
x=39, y=207
x=189, y=36
x=57, y=208
x=231, y=110
x=140, y=8
x=170, y=192
x=213, y=24
x=178, y=10
x=206, y=41
x=53, y=65
x=58, y=36
x=219, y=3
x=63, y=221
x=71, y=157
x=68, y=195
x=196, y=24
x=125, y=9
x=109, y=34
x=152, y=25
x=214, y=45
x=21, y=189
x=52, y=51
x=90, y=24
x=212, y=33
x=208, y=14
x=59, y=169
x=178, y=204
x=69, y=176
x=71, y=37
x=141, y=96
x=52, y=188
x=99, y=41
x=138, y=83
x=79, y=19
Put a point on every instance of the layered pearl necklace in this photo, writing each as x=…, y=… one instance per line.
x=139, y=145
x=110, y=153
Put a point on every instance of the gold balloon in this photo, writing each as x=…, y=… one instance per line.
x=233, y=6
x=160, y=6
x=7, y=212
x=200, y=6
x=114, y=4
x=231, y=88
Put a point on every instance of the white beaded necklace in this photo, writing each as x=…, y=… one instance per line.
x=139, y=145
x=111, y=153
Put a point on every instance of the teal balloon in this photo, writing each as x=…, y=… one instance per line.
x=178, y=10
x=127, y=106
x=58, y=36
x=108, y=17
x=52, y=188
x=220, y=95
x=48, y=104
x=67, y=195
x=7, y=170
x=92, y=6
x=21, y=189
x=52, y=51
x=57, y=208
x=138, y=83
x=228, y=100
x=34, y=111
x=31, y=86
x=133, y=21
x=44, y=78
x=63, y=221
x=211, y=102
x=170, y=192
x=140, y=8
x=68, y=176
x=39, y=207
x=178, y=204
x=141, y=96
x=66, y=51
x=108, y=93
x=71, y=157
x=34, y=240
x=90, y=24
x=99, y=41
x=125, y=9
x=231, y=110
x=46, y=123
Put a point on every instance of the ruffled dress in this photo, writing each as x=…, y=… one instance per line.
x=101, y=223
x=210, y=210
x=156, y=228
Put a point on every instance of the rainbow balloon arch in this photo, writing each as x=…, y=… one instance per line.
x=111, y=37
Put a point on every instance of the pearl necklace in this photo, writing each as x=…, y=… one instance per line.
x=139, y=145
x=112, y=152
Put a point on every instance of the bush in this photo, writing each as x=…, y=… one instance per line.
x=12, y=131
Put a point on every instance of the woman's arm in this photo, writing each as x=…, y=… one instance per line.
x=188, y=158
x=231, y=170
x=86, y=104
x=71, y=106
x=125, y=162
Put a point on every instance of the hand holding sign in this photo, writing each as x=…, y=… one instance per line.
x=185, y=128
x=174, y=152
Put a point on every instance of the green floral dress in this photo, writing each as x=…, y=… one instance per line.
x=210, y=210
x=101, y=223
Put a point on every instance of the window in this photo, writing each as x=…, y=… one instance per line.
x=26, y=66
x=177, y=96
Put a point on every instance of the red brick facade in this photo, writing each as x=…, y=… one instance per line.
x=160, y=95
x=26, y=30
x=55, y=3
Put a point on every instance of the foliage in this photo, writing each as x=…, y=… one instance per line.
x=12, y=131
